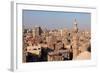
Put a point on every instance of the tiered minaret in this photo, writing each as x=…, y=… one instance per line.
x=75, y=26
x=75, y=40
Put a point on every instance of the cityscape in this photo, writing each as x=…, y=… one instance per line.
x=41, y=44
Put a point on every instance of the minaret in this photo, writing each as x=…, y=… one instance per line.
x=75, y=26
x=75, y=39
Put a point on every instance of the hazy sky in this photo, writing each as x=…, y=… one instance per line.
x=55, y=20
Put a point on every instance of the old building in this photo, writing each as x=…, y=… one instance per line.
x=75, y=39
x=37, y=31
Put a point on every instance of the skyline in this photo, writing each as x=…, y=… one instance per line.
x=55, y=20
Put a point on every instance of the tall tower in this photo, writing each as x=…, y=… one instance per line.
x=75, y=39
x=75, y=26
